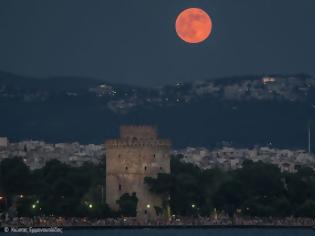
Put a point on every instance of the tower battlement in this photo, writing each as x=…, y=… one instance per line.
x=136, y=143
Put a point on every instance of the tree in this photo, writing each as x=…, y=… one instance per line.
x=128, y=205
x=160, y=185
x=210, y=182
x=185, y=191
x=300, y=186
x=307, y=209
x=14, y=176
x=230, y=196
x=61, y=188
x=262, y=179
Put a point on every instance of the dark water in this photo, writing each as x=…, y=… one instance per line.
x=185, y=232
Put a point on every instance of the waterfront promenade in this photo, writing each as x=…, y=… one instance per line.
x=173, y=222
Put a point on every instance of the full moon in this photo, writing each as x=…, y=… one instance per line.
x=193, y=25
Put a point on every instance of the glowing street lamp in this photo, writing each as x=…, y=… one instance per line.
x=148, y=206
x=33, y=206
x=193, y=205
x=90, y=206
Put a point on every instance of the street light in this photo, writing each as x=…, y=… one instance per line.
x=90, y=206
x=148, y=206
x=193, y=205
x=33, y=206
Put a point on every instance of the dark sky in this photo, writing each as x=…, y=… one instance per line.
x=134, y=41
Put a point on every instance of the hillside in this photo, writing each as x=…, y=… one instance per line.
x=244, y=111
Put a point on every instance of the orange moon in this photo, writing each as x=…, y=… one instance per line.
x=193, y=25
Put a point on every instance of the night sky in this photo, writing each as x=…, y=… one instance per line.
x=134, y=41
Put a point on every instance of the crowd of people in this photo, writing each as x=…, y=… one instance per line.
x=172, y=221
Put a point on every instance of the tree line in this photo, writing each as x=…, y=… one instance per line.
x=258, y=189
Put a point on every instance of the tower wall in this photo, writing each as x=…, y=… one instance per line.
x=129, y=160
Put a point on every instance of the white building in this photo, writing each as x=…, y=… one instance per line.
x=36, y=154
x=229, y=158
x=4, y=142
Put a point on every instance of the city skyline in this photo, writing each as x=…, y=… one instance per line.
x=165, y=115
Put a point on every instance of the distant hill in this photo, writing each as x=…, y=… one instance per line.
x=244, y=111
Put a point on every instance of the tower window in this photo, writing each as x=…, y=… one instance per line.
x=126, y=168
x=160, y=168
x=154, y=155
x=145, y=168
x=145, y=212
x=119, y=187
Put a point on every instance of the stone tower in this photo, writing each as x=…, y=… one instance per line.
x=137, y=154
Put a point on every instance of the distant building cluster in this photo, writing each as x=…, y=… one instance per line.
x=3, y=143
x=229, y=158
x=268, y=88
x=35, y=154
x=264, y=88
x=103, y=90
x=123, y=99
